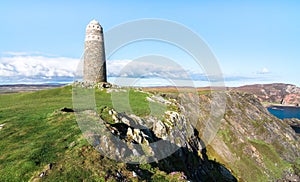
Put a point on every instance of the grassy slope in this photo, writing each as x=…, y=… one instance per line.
x=36, y=134
x=33, y=135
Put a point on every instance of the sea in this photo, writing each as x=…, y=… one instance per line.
x=285, y=112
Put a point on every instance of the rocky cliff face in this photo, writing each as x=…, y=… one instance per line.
x=250, y=144
x=286, y=94
x=253, y=143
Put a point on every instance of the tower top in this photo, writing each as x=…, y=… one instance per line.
x=94, y=24
x=94, y=31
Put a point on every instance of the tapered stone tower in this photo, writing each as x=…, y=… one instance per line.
x=94, y=55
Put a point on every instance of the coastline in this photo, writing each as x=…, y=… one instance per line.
x=269, y=105
x=8, y=89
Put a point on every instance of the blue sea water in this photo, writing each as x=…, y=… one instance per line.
x=283, y=112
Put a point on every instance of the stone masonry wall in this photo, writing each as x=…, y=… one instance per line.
x=94, y=54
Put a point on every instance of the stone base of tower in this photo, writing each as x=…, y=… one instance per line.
x=86, y=84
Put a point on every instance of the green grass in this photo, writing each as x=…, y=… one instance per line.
x=133, y=101
x=269, y=103
x=34, y=135
x=37, y=133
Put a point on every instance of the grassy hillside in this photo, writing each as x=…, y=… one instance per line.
x=37, y=136
x=34, y=135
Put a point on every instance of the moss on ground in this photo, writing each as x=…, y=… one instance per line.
x=246, y=167
x=273, y=162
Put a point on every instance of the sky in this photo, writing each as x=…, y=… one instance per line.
x=253, y=41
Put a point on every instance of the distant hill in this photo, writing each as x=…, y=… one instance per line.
x=280, y=93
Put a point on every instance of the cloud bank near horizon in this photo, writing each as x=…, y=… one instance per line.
x=22, y=67
x=35, y=68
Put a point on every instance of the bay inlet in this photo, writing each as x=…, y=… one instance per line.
x=286, y=112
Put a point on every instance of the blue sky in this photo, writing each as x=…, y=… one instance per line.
x=254, y=41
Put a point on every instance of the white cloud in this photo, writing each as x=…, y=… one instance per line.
x=37, y=66
x=152, y=68
x=264, y=71
x=24, y=65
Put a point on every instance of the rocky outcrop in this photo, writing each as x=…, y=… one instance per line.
x=2, y=125
x=171, y=143
x=250, y=143
x=291, y=99
x=294, y=123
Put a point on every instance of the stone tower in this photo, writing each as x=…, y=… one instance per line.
x=94, y=55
